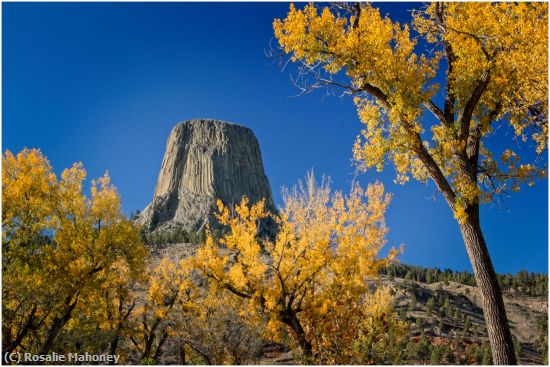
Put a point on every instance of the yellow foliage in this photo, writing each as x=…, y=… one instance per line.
x=170, y=296
x=496, y=57
x=327, y=245
x=224, y=329
x=60, y=249
x=347, y=330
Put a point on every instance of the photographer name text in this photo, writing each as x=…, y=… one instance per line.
x=25, y=358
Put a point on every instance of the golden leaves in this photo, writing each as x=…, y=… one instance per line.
x=345, y=329
x=326, y=243
x=60, y=246
x=372, y=49
x=460, y=212
x=28, y=186
x=510, y=40
x=496, y=56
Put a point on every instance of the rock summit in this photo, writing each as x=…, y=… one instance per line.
x=205, y=160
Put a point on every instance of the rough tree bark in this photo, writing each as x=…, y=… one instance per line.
x=502, y=346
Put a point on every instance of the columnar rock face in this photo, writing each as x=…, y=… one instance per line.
x=205, y=160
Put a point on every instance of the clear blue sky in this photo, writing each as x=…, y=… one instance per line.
x=104, y=83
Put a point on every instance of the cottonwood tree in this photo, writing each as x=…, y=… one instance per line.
x=492, y=62
x=115, y=303
x=170, y=291
x=58, y=248
x=219, y=330
x=325, y=250
x=351, y=330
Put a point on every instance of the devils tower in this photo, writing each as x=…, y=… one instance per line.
x=205, y=160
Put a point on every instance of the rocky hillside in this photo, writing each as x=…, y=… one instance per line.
x=451, y=313
x=205, y=159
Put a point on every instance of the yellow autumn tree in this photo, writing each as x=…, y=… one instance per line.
x=170, y=292
x=219, y=330
x=326, y=247
x=174, y=313
x=494, y=58
x=356, y=331
x=58, y=248
x=109, y=321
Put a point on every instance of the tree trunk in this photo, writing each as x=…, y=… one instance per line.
x=289, y=318
x=158, y=351
x=114, y=345
x=57, y=324
x=493, y=305
x=9, y=345
x=149, y=339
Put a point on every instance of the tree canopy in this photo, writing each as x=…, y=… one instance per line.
x=60, y=249
x=312, y=278
x=496, y=60
x=486, y=62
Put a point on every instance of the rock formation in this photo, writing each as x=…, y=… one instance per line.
x=205, y=160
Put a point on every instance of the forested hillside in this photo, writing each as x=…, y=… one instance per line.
x=521, y=283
